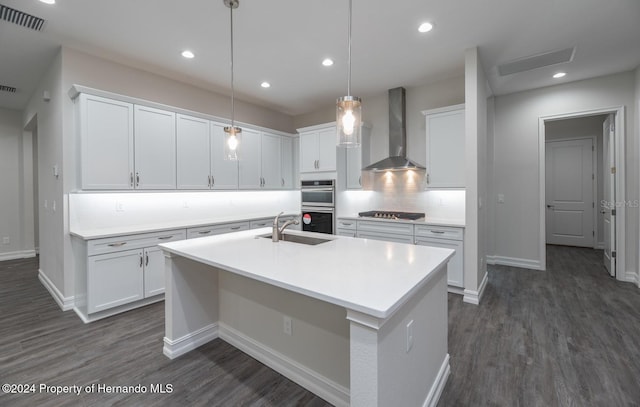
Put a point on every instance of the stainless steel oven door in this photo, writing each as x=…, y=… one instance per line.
x=318, y=219
x=320, y=196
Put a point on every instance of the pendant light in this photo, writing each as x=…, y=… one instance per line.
x=232, y=138
x=349, y=109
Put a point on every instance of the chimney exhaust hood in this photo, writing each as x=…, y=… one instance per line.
x=397, y=159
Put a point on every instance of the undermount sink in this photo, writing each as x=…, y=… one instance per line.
x=308, y=240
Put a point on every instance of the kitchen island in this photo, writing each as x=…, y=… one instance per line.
x=358, y=322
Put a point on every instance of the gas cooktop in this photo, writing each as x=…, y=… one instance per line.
x=392, y=215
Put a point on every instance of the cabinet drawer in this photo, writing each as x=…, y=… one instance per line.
x=129, y=242
x=439, y=232
x=262, y=223
x=387, y=237
x=346, y=224
x=217, y=229
x=386, y=227
x=346, y=232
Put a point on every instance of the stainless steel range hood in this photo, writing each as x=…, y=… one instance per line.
x=397, y=159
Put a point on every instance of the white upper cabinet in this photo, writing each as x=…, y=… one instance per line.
x=445, y=147
x=106, y=143
x=224, y=173
x=352, y=160
x=193, y=153
x=271, y=162
x=250, y=160
x=318, y=148
x=287, y=152
x=155, y=148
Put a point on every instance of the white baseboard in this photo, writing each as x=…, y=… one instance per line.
x=438, y=385
x=117, y=310
x=515, y=262
x=599, y=246
x=65, y=303
x=631, y=277
x=174, y=348
x=329, y=390
x=473, y=296
x=455, y=290
x=20, y=254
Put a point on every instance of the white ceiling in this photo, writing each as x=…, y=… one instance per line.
x=284, y=42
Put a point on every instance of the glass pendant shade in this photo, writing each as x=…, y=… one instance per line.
x=232, y=142
x=349, y=121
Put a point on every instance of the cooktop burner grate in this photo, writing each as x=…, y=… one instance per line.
x=392, y=215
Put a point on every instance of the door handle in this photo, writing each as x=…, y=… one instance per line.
x=141, y=260
x=131, y=179
x=146, y=261
x=550, y=206
x=603, y=212
x=137, y=179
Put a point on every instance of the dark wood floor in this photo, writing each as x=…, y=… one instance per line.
x=568, y=336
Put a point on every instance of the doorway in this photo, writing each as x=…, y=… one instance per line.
x=571, y=157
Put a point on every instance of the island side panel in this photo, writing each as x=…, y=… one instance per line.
x=191, y=305
x=315, y=354
x=379, y=351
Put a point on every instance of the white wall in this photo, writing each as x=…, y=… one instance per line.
x=11, y=173
x=375, y=112
x=584, y=127
x=516, y=166
x=637, y=113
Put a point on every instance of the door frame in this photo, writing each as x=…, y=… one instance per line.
x=594, y=193
x=620, y=135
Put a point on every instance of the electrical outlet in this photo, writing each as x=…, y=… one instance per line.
x=119, y=207
x=185, y=204
x=46, y=204
x=409, y=335
x=500, y=198
x=6, y=240
x=288, y=325
x=53, y=206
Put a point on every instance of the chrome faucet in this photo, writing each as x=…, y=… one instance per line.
x=276, y=233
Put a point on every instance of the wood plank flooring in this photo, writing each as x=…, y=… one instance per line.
x=568, y=336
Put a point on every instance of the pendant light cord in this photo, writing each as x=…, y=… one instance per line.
x=232, y=88
x=349, y=57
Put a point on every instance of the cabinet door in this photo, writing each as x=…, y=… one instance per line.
x=354, y=167
x=250, y=160
x=106, y=143
x=153, y=272
x=287, y=163
x=327, y=149
x=155, y=148
x=271, y=162
x=308, y=152
x=193, y=153
x=224, y=173
x=114, y=279
x=385, y=237
x=445, y=149
x=455, y=268
x=346, y=232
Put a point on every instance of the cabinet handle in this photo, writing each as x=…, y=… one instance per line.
x=261, y=224
x=146, y=259
x=235, y=228
x=428, y=179
x=347, y=224
x=209, y=181
x=204, y=232
x=282, y=181
x=131, y=179
x=213, y=181
x=137, y=179
x=437, y=231
x=117, y=244
x=165, y=237
x=360, y=180
x=141, y=261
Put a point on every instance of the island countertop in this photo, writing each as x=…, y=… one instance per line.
x=369, y=276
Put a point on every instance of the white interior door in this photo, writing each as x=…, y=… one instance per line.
x=569, y=192
x=606, y=207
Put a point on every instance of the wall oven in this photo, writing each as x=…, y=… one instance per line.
x=318, y=206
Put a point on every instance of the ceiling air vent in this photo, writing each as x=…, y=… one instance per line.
x=537, y=61
x=9, y=89
x=18, y=17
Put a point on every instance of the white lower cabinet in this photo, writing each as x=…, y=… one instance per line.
x=218, y=229
x=387, y=231
x=449, y=238
x=345, y=227
x=125, y=271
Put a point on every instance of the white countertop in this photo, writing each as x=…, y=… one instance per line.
x=369, y=276
x=120, y=230
x=459, y=223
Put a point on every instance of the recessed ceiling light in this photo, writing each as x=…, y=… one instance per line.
x=425, y=27
x=188, y=54
x=559, y=75
x=265, y=84
x=48, y=1
x=327, y=62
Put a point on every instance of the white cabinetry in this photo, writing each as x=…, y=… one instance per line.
x=392, y=232
x=346, y=227
x=217, y=229
x=318, y=148
x=155, y=148
x=224, y=173
x=351, y=161
x=288, y=152
x=193, y=145
x=106, y=143
x=271, y=162
x=122, y=273
x=445, y=142
x=450, y=238
x=261, y=161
